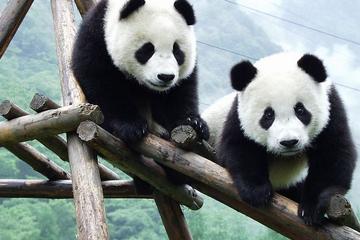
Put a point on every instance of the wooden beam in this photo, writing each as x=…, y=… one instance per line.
x=118, y=154
x=88, y=194
x=10, y=188
x=48, y=123
x=172, y=218
x=280, y=216
x=85, y=5
x=10, y=20
x=41, y=103
x=38, y=161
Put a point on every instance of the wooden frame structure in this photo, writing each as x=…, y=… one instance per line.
x=91, y=182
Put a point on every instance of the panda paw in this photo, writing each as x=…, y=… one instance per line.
x=199, y=125
x=130, y=132
x=312, y=213
x=257, y=196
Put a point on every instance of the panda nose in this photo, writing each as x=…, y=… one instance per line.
x=166, y=78
x=289, y=143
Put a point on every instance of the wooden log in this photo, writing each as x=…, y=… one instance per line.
x=185, y=137
x=172, y=218
x=118, y=154
x=341, y=213
x=63, y=189
x=41, y=103
x=48, y=123
x=85, y=5
x=10, y=20
x=38, y=161
x=280, y=216
x=88, y=195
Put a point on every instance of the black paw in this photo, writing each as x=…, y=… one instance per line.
x=312, y=212
x=199, y=125
x=130, y=132
x=257, y=196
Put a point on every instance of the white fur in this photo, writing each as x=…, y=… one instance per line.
x=157, y=22
x=279, y=83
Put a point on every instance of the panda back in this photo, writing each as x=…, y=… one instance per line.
x=215, y=116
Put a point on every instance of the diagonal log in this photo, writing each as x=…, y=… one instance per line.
x=10, y=20
x=63, y=189
x=122, y=157
x=41, y=103
x=37, y=161
x=215, y=181
x=88, y=194
x=172, y=218
x=48, y=123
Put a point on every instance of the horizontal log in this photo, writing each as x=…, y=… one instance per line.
x=37, y=161
x=280, y=216
x=63, y=189
x=48, y=123
x=118, y=154
x=41, y=103
x=10, y=20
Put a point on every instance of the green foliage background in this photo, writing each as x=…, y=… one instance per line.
x=30, y=66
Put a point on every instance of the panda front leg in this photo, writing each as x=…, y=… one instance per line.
x=180, y=107
x=330, y=172
x=127, y=124
x=246, y=162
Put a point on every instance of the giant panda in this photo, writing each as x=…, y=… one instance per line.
x=136, y=60
x=284, y=129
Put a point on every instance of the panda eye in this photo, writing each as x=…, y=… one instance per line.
x=178, y=54
x=144, y=53
x=299, y=109
x=268, y=118
x=302, y=113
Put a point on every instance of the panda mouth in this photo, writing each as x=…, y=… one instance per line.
x=290, y=153
x=160, y=85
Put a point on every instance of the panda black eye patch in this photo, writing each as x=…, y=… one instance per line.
x=302, y=113
x=179, y=55
x=267, y=118
x=144, y=53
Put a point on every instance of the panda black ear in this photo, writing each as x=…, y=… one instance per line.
x=313, y=66
x=242, y=74
x=186, y=10
x=130, y=7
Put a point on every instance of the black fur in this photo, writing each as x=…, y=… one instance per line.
x=331, y=157
x=245, y=161
x=302, y=113
x=179, y=55
x=130, y=7
x=121, y=97
x=144, y=53
x=313, y=66
x=242, y=74
x=186, y=10
x=268, y=118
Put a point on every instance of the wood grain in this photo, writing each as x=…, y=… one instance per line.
x=10, y=20
x=88, y=194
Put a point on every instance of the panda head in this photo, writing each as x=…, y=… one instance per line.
x=153, y=41
x=283, y=101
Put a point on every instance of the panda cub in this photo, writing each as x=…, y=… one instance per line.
x=136, y=60
x=285, y=130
